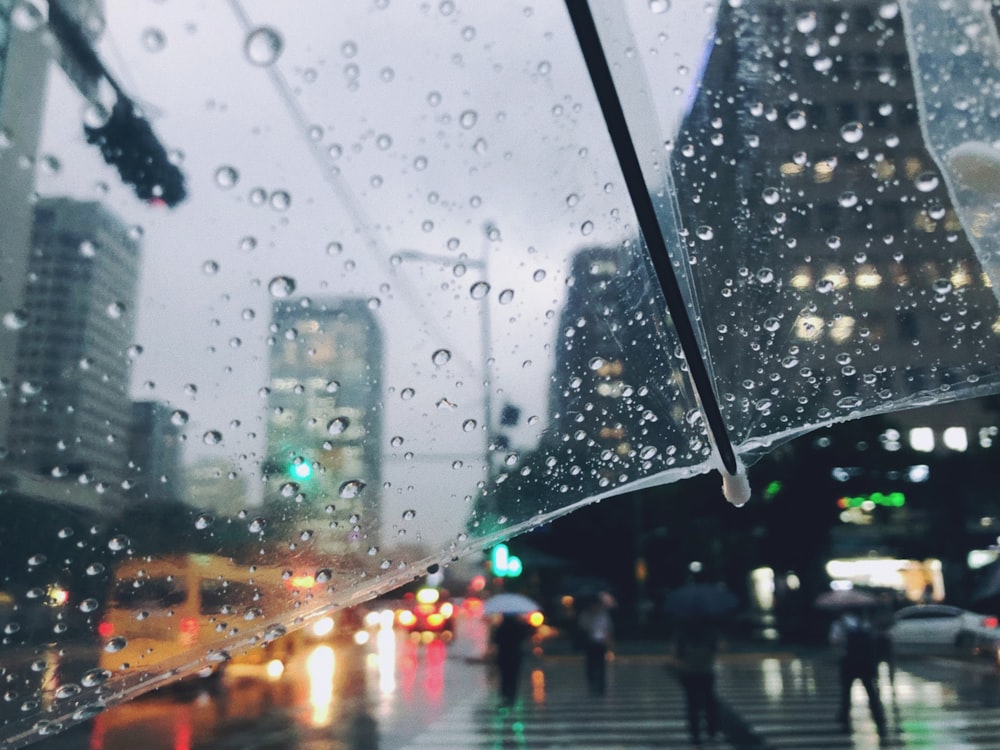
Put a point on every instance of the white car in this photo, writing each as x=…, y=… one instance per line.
x=941, y=627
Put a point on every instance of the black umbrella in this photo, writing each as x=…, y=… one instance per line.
x=699, y=601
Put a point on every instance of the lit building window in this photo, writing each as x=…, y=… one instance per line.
x=890, y=440
x=802, y=279
x=961, y=277
x=868, y=278
x=842, y=329
x=836, y=276
x=808, y=327
x=922, y=439
x=956, y=438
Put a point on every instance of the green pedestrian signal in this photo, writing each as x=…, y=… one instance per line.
x=504, y=564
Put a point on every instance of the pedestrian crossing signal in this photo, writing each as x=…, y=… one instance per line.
x=504, y=564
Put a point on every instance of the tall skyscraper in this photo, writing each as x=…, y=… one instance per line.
x=154, y=467
x=324, y=432
x=25, y=61
x=806, y=187
x=70, y=408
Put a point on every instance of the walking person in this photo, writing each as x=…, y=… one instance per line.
x=854, y=636
x=597, y=634
x=695, y=647
x=509, y=637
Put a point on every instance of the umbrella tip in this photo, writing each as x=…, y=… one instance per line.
x=736, y=487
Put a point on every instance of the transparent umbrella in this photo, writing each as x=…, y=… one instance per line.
x=298, y=306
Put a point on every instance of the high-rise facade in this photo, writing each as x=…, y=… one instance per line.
x=70, y=413
x=324, y=430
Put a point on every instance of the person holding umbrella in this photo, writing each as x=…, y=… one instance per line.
x=696, y=608
x=854, y=636
x=508, y=639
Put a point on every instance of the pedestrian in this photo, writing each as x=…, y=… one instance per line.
x=508, y=638
x=853, y=635
x=696, y=644
x=597, y=634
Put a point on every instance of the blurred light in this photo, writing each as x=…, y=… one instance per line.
x=823, y=171
x=802, y=279
x=386, y=618
x=772, y=489
x=536, y=619
x=478, y=583
x=275, y=668
x=435, y=620
x=762, y=582
x=302, y=582
x=840, y=474
x=791, y=169
x=361, y=637
x=793, y=582
x=960, y=277
x=918, y=473
x=58, y=595
x=447, y=609
x=890, y=440
x=189, y=631
x=302, y=470
x=322, y=627
x=922, y=439
x=428, y=596
x=537, y=686
x=105, y=629
x=980, y=558
x=406, y=618
x=986, y=435
x=868, y=278
x=808, y=327
x=836, y=276
x=373, y=618
x=956, y=438
x=566, y=601
x=320, y=668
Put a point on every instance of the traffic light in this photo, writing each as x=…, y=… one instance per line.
x=300, y=468
x=128, y=143
x=504, y=564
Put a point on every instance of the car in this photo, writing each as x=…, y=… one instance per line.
x=941, y=628
x=428, y=614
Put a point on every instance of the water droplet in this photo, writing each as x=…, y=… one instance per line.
x=94, y=569
x=765, y=275
x=178, y=417
x=115, y=645
x=407, y=393
x=94, y=677
x=587, y=228
x=847, y=199
x=796, y=119
x=479, y=290
x=212, y=437
x=257, y=525
x=280, y=200
x=941, y=286
x=805, y=23
x=850, y=402
x=118, y=543
x=226, y=177
x=89, y=605
x=772, y=324
x=281, y=286
x=115, y=310
x=852, y=132
x=441, y=357
x=15, y=320
x=704, y=232
x=337, y=425
x=659, y=6
x=468, y=119
x=469, y=425
x=824, y=286
x=263, y=46
x=506, y=297
x=203, y=521
x=926, y=182
x=351, y=489
x=771, y=195
x=397, y=440
x=324, y=575
x=153, y=40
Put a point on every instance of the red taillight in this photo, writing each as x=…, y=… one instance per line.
x=105, y=629
x=990, y=622
x=189, y=631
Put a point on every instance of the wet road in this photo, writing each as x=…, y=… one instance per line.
x=394, y=694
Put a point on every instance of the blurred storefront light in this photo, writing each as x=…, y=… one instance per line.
x=922, y=439
x=918, y=473
x=956, y=438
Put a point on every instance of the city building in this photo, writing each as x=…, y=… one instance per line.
x=154, y=467
x=70, y=409
x=324, y=430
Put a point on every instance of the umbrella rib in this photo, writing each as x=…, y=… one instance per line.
x=628, y=160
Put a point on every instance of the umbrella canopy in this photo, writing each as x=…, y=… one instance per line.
x=311, y=301
x=696, y=601
x=510, y=604
x=846, y=599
